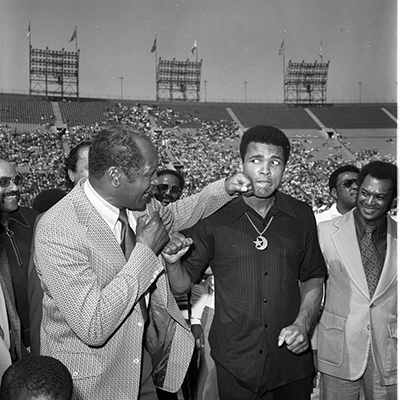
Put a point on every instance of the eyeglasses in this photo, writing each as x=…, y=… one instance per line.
x=5, y=181
x=348, y=183
x=162, y=188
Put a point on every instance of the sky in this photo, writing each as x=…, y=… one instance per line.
x=238, y=41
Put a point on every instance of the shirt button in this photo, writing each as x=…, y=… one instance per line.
x=265, y=300
x=74, y=374
x=136, y=361
x=265, y=273
x=372, y=305
x=140, y=324
x=368, y=327
x=266, y=325
x=260, y=351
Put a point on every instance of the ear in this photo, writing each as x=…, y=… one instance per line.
x=334, y=193
x=71, y=175
x=114, y=176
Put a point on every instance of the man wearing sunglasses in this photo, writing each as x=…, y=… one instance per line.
x=16, y=232
x=343, y=188
x=169, y=186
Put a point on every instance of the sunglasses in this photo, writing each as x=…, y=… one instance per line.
x=162, y=188
x=348, y=183
x=5, y=181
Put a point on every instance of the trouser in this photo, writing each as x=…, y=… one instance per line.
x=333, y=388
x=230, y=389
x=147, y=389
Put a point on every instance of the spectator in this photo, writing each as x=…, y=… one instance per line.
x=11, y=346
x=343, y=188
x=202, y=314
x=36, y=377
x=76, y=164
x=16, y=231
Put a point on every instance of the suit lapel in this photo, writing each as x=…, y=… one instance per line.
x=389, y=271
x=98, y=232
x=346, y=243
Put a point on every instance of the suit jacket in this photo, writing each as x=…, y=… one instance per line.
x=17, y=349
x=92, y=319
x=351, y=323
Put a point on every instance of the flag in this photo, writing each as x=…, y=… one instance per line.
x=281, y=48
x=29, y=31
x=194, y=46
x=320, y=50
x=73, y=36
x=154, y=47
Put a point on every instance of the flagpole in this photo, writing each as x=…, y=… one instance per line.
x=30, y=57
x=156, y=59
x=320, y=52
x=29, y=33
x=197, y=45
x=76, y=38
x=283, y=58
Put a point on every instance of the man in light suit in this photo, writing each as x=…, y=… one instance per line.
x=94, y=319
x=357, y=332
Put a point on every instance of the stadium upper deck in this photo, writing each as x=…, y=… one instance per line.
x=359, y=124
x=30, y=109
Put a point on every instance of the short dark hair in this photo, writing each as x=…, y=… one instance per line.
x=36, y=376
x=72, y=159
x=333, y=179
x=116, y=146
x=265, y=134
x=380, y=170
x=175, y=173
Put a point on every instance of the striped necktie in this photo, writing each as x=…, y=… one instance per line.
x=371, y=259
x=128, y=244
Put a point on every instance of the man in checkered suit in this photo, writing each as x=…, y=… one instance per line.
x=92, y=318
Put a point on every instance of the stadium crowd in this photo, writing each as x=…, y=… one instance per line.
x=203, y=151
x=206, y=153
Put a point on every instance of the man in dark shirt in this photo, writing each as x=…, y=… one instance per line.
x=269, y=272
x=16, y=231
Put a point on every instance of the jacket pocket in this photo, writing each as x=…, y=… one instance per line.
x=331, y=336
x=81, y=365
x=391, y=348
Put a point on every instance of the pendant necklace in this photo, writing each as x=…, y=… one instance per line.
x=261, y=243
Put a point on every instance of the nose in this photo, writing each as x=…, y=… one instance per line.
x=370, y=200
x=265, y=169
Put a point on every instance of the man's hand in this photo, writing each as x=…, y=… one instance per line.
x=239, y=183
x=151, y=232
x=177, y=246
x=295, y=337
x=198, y=334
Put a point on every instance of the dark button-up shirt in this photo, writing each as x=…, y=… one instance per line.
x=257, y=291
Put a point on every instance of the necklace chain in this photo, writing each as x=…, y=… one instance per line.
x=252, y=223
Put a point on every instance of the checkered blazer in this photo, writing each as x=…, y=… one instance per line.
x=92, y=320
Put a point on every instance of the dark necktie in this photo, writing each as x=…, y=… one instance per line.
x=128, y=244
x=371, y=259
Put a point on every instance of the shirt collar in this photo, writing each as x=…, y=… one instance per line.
x=109, y=212
x=239, y=207
x=381, y=224
x=17, y=216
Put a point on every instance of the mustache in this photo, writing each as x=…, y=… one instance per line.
x=10, y=194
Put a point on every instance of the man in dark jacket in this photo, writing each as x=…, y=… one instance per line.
x=16, y=231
